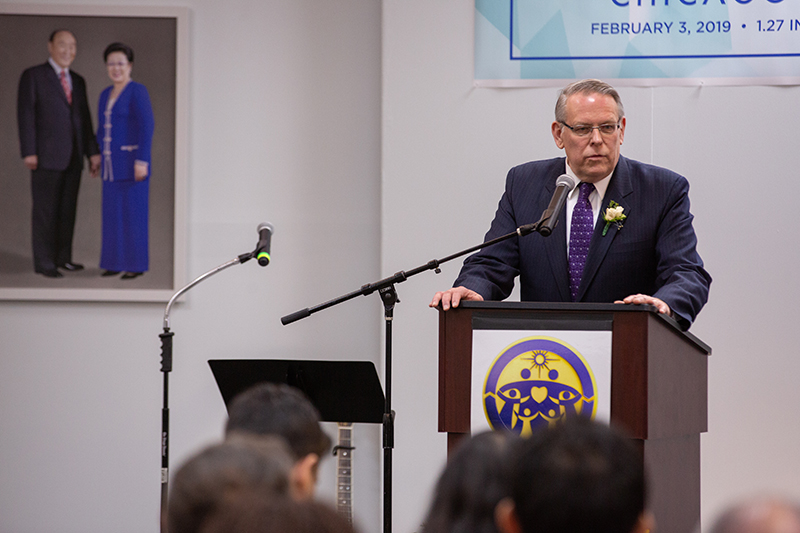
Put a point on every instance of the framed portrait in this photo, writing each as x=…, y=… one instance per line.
x=159, y=38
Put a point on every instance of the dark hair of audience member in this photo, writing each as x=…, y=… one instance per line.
x=278, y=409
x=475, y=479
x=256, y=464
x=578, y=476
x=247, y=512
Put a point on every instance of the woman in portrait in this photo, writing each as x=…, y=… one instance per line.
x=125, y=135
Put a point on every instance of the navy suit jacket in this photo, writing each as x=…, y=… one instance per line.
x=48, y=124
x=654, y=253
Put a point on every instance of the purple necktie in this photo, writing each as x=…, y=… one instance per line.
x=580, y=234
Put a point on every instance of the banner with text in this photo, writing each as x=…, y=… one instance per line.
x=637, y=42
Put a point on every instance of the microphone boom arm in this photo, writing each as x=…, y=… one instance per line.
x=401, y=276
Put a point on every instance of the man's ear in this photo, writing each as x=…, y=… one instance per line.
x=303, y=477
x=505, y=517
x=557, y=130
x=646, y=523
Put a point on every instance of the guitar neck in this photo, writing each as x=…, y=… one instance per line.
x=344, y=471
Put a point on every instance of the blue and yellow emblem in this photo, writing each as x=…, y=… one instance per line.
x=535, y=382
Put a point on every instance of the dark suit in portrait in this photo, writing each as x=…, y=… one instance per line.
x=60, y=135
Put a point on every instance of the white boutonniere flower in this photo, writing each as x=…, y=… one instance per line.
x=614, y=214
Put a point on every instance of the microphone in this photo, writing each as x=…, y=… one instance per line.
x=564, y=186
x=265, y=230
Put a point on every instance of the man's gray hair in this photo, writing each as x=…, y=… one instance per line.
x=586, y=87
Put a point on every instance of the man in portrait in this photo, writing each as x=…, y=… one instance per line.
x=55, y=134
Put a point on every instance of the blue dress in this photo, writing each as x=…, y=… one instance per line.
x=125, y=135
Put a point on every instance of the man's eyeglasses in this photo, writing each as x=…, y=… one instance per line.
x=582, y=130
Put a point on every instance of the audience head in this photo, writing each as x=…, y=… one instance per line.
x=576, y=476
x=257, y=465
x=278, y=409
x=762, y=515
x=249, y=513
x=475, y=479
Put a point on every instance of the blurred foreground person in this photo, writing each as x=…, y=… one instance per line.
x=475, y=479
x=258, y=466
x=278, y=409
x=247, y=512
x=763, y=515
x=577, y=476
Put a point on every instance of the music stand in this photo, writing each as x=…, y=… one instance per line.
x=342, y=391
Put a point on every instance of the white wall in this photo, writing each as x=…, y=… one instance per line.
x=446, y=149
x=285, y=126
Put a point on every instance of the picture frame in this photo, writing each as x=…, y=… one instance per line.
x=159, y=37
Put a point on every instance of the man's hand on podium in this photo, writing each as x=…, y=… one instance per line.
x=453, y=296
x=662, y=307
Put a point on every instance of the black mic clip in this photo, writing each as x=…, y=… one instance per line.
x=527, y=229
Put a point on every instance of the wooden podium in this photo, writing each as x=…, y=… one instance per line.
x=659, y=388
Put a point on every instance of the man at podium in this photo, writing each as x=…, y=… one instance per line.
x=625, y=234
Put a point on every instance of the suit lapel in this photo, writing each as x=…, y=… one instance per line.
x=618, y=189
x=555, y=246
x=53, y=77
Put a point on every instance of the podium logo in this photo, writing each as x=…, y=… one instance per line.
x=535, y=382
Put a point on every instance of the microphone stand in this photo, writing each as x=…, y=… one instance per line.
x=388, y=294
x=166, y=368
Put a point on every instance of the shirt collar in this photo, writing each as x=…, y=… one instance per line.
x=600, y=186
x=57, y=67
